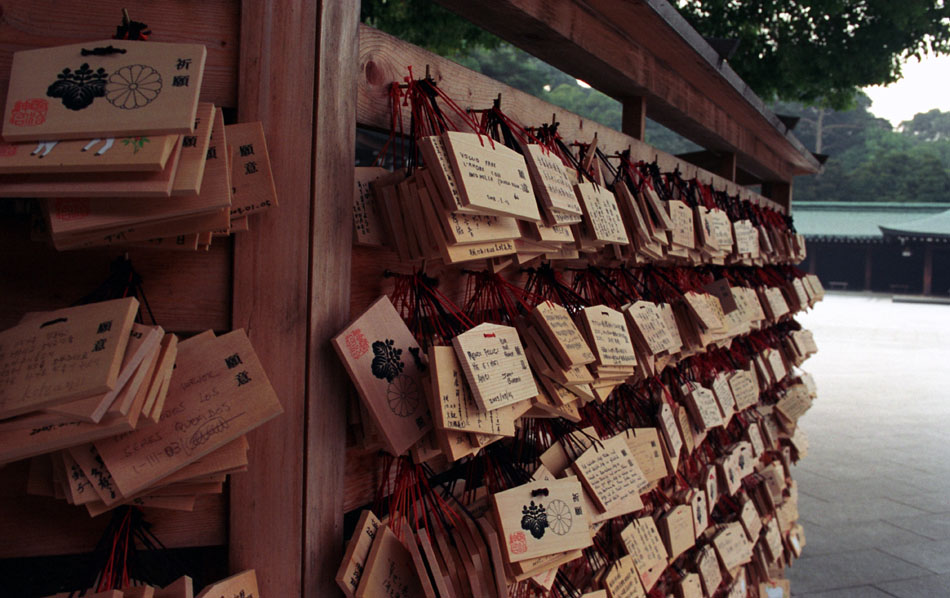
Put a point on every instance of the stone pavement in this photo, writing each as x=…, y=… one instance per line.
x=875, y=486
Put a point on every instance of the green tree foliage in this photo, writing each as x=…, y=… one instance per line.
x=425, y=24
x=822, y=51
x=869, y=161
x=928, y=126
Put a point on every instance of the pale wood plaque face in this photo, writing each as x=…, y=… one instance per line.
x=142, y=88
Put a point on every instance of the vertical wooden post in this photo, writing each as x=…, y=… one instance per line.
x=633, y=120
x=928, y=268
x=812, y=260
x=727, y=166
x=779, y=192
x=868, y=268
x=272, y=290
x=334, y=135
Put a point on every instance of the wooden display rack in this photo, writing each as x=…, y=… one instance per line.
x=310, y=72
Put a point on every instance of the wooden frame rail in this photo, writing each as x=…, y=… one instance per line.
x=646, y=49
x=384, y=58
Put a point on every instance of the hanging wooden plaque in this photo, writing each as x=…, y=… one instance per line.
x=125, y=154
x=218, y=392
x=194, y=153
x=495, y=365
x=622, y=581
x=142, y=88
x=382, y=358
x=612, y=477
x=69, y=354
x=252, y=180
x=492, y=179
x=551, y=181
x=357, y=551
x=541, y=518
x=562, y=333
x=454, y=408
x=243, y=584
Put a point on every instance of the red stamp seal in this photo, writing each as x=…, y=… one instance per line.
x=356, y=344
x=71, y=209
x=7, y=150
x=29, y=113
x=518, y=543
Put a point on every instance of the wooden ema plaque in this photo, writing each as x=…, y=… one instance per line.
x=560, y=330
x=390, y=569
x=125, y=154
x=682, y=232
x=69, y=354
x=609, y=335
x=676, y=529
x=242, y=585
x=541, y=518
x=218, y=392
x=648, y=326
x=454, y=408
x=490, y=176
x=709, y=572
x=357, y=551
x=704, y=408
x=611, y=476
x=644, y=544
x=440, y=172
x=671, y=433
x=144, y=88
x=150, y=184
x=495, y=365
x=252, y=180
x=552, y=184
x=368, y=227
x=601, y=214
x=622, y=581
x=380, y=354
x=732, y=546
x=143, y=340
x=194, y=152
x=180, y=588
x=780, y=588
x=644, y=444
x=689, y=587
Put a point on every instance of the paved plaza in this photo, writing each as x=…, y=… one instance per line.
x=875, y=486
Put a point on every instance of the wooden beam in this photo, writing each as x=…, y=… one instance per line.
x=643, y=47
x=272, y=290
x=868, y=267
x=634, y=117
x=330, y=256
x=384, y=58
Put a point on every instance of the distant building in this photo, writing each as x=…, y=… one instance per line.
x=877, y=246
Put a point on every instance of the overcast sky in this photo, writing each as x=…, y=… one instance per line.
x=925, y=85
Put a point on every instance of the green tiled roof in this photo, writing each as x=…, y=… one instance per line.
x=936, y=226
x=861, y=221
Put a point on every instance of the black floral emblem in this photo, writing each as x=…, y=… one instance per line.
x=78, y=88
x=387, y=363
x=534, y=519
